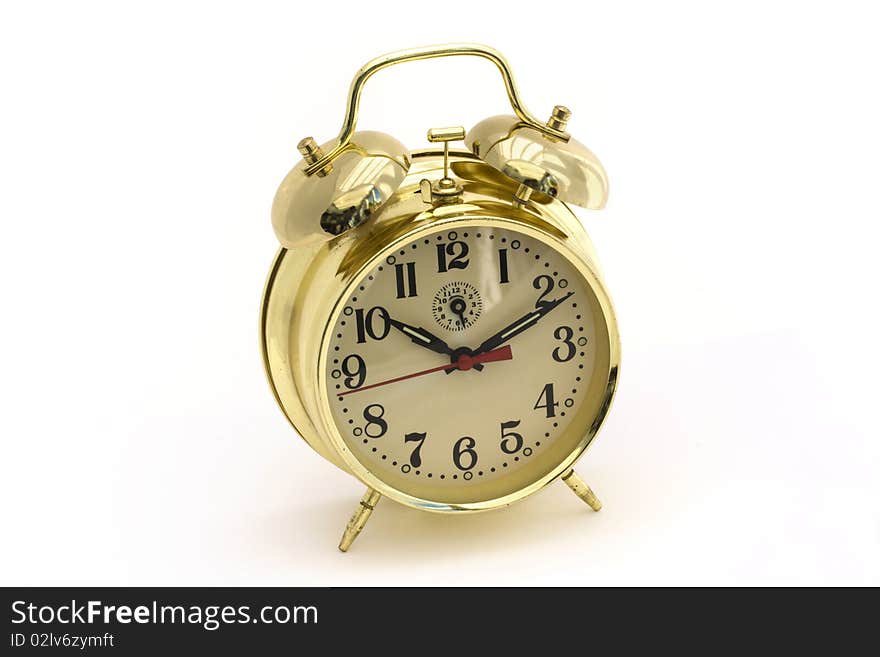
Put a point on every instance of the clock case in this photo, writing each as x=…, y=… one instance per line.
x=314, y=269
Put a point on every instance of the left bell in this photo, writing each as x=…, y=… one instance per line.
x=341, y=195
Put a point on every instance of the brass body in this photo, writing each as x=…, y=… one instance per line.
x=305, y=286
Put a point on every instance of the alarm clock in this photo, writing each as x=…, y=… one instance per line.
x=435, y=322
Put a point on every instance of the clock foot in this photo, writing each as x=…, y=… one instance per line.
x=359, y=519
x=580, y=488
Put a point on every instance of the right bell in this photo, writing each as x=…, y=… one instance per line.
x=565, y=170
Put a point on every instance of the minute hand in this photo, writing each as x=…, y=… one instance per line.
x=527, y=321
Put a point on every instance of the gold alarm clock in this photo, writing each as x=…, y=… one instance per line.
x=435, y=322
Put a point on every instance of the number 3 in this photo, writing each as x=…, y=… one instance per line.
x=564, y=333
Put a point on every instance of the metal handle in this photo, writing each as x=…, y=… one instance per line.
x=429, y=52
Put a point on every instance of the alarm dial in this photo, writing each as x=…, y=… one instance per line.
x=467, y=364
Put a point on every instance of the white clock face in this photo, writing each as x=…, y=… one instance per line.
x=467, y=364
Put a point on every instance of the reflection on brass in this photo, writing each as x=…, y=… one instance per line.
x=523, y=192
x=351, y=208
x=532, y=176
x=532, y=158
x=580, y=488
x=310, y=210
x=481, y=178
x=359, y=519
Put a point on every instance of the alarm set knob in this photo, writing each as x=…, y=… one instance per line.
x=446, y=190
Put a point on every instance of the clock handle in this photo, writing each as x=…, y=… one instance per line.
x=430, y=52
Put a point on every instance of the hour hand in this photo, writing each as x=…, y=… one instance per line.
x=422, y=337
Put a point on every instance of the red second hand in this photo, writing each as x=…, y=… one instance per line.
x=463, y=363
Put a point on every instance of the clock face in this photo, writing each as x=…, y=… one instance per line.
x=467, y=364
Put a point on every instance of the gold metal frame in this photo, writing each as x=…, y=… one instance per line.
x=429, y=52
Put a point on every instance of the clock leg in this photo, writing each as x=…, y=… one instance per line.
x=580, y=488
x=359, y=519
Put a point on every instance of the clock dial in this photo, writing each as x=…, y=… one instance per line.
x=467, y=364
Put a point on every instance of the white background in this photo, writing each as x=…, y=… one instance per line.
x=140, y=148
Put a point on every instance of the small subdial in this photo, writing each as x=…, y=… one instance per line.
x=457, y=306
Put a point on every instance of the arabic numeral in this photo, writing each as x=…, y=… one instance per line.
x=565, y=334
x=458, y=251
x=355, y=370
x=511, y=442
x=548, y=398
x=464, y=456
x=373, y=414
x=366, y=324
x=540, y=282
x=415, y=459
